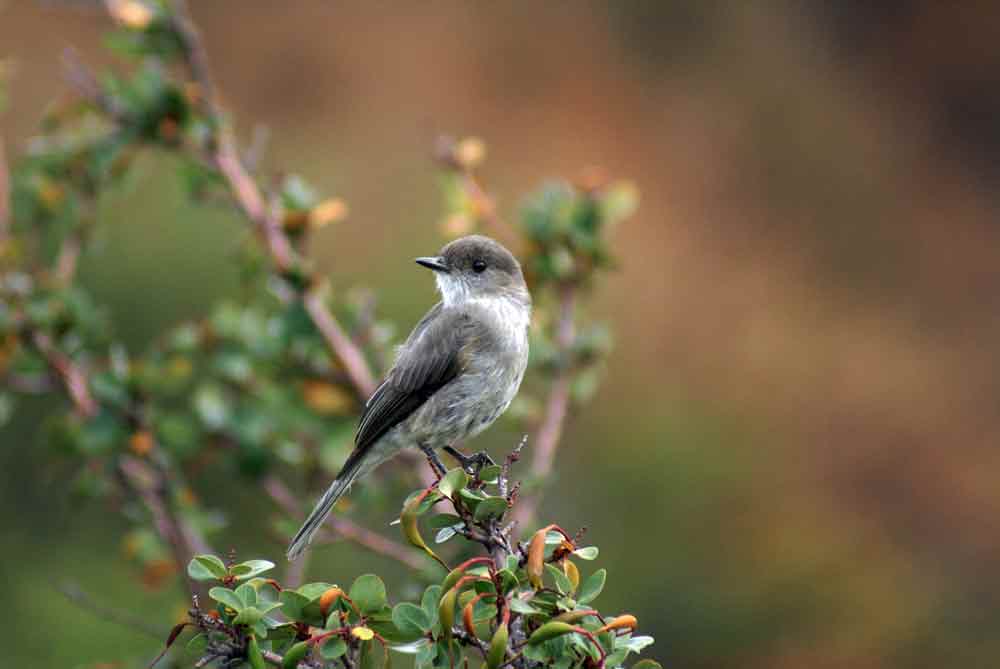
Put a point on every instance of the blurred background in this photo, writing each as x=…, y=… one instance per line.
x=793, y=461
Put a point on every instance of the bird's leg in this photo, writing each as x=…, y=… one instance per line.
x=433, y=460
x=474, y=463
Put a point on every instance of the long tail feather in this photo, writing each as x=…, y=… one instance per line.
x=323, y=507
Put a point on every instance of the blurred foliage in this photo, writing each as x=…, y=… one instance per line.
x=255, y=393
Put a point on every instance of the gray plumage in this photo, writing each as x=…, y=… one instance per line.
x=456, y=373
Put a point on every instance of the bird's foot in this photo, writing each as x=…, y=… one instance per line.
x=472, y=464
x=433, y=460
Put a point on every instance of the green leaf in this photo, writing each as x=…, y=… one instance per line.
x=250, y=568
x=295, y=654
x=508, y=580
x=197, y=644
x=313, y=590
x=429, y=602
x=410, y=619
x=454, y=480
x=490, y=473
x=616, y=658
x=586, y=553
x=491, y=507
x=206, y=568
x=266, y=592
x=592, y=587
x=247, y=594
x=518, y=605
x=253, y=654
x=442, y=520
x=562, y=582
x=636, y=643
x=647, y=664
x=444, y=534
x=211, y=406
x=292, y=603
x=548, y=631
x=249, y=616
x=368, y=593
x=426, y=503
x=426, y=654
x=553, y=538
x=226, y=597
x=332, y=647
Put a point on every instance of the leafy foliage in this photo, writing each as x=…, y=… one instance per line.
x=269, y=386
x=502, y=609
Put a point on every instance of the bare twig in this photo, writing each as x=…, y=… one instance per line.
x=69, y=257
x=346, y=528
x=73, y=377
x=149, y=482
x=376, y=542
x=248, y=195
x=508, y=462
x=446, y=152
x=222, y=153
x=350, y=355
x=75, y=594
x=152, y=487
x=87, y=86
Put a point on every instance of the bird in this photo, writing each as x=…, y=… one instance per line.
x=455, y=374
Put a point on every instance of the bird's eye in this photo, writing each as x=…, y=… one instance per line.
x=479, y=266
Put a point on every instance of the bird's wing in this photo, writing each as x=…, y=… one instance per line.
x=432, y=356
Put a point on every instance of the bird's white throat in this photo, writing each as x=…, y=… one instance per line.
x=512, y=310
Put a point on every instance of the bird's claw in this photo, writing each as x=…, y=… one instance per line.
x=472, y=464
x=434, y=461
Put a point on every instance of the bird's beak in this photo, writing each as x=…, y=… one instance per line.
x=434, y=263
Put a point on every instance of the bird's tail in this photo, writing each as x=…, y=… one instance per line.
x=340, y=485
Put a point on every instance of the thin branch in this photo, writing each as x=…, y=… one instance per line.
x=76, y=595
x=223, y=154
x=346, y=528
x=376, y=542
x=73, y=377
x=446, y=152
x=69, y=257
x=350, y=355
x=151, y=486
x=226, y=157
x=151, y=483
x=83, y=80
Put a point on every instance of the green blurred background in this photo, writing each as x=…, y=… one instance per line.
x=793, y=461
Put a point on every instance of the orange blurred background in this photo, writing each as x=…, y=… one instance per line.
x=794, y=459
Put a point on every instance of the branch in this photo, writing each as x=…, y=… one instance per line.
x=151, y=483
x=376, y=542
x=226, y=157
x=449, y=154
x=346, y=528
x=73, y=593
x=222, y=153
x=152, y=487
x=69, y=257
x=549, y=431
x=350, y=355
x=73, y=377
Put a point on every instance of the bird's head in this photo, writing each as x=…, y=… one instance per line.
x=477, y=267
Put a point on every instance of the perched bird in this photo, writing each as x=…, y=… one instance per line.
x=456, y=373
